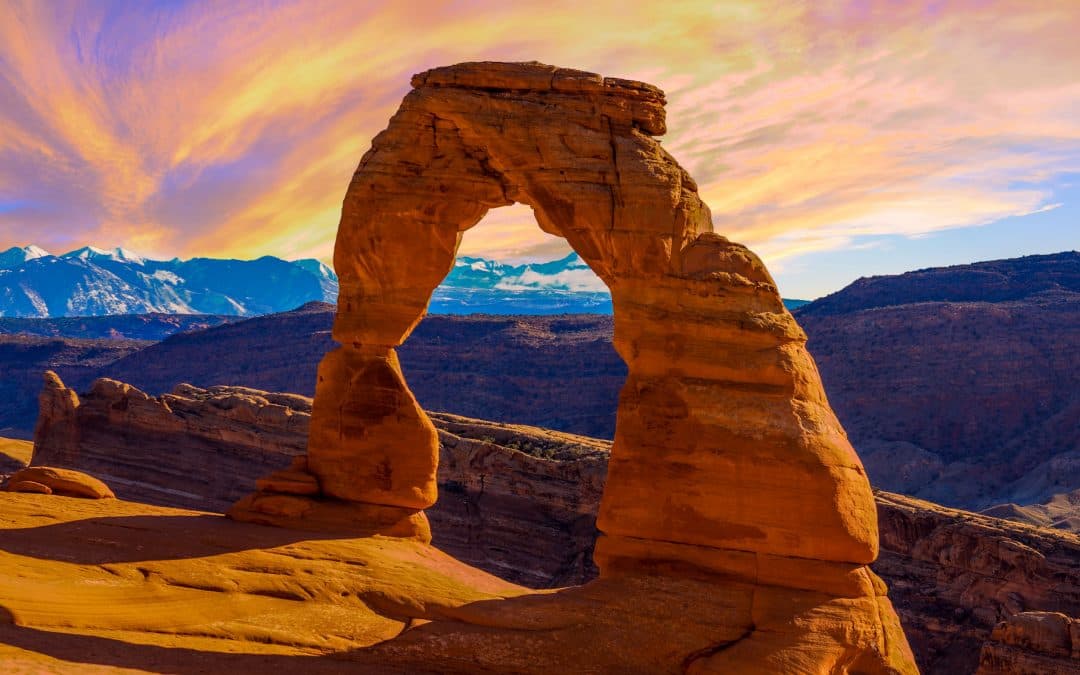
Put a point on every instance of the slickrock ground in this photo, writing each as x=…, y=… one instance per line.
x=14, y=455
x=129, y=586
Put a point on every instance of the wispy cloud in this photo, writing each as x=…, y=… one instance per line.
x=217, y=128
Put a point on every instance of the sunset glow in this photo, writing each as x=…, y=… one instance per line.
x=232, y=128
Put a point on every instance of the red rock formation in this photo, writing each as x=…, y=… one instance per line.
x=1039, y=643
x=189, y=448
x=955, y=575
x=517, y=501
x=52, y=480
x=727, y=456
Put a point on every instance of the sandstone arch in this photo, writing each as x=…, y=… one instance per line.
x=727, y=455
x=724, y=436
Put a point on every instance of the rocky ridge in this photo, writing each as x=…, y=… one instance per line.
x=960, y=385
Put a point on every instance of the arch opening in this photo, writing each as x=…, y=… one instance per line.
x=515, y=377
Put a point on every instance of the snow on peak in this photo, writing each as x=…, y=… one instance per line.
x=117, y=254
x=316, y=267
x=33, y=252
x=15, y=256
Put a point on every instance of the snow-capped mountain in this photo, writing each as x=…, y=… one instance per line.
x=14, y=257
x=566, y=274
x=93, y=282
x=94, y=253
x=481, y=286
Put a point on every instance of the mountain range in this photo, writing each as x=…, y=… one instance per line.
x=94, y=282
x=97, y=282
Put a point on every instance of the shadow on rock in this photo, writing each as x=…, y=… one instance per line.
x=119, y=539
x=101, y=651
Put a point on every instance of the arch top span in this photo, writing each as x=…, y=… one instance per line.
x=724, y=438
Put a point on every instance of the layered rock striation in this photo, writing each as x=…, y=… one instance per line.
x=193, y=447
x=956, y=576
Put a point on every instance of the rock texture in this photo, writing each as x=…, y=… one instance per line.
x=516, y=501
x=188, y=448
x=52, y=480
x=727, y=457
x=1040, y=643
x=955, y=576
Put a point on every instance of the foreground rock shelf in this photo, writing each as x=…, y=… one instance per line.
x=129, y=586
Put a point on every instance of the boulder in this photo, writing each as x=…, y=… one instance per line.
x=66, y=482
x=1042, y=643
x=29, y=486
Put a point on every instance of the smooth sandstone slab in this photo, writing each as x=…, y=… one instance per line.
x=114, y=586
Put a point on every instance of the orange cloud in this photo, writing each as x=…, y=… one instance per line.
x=232, y=128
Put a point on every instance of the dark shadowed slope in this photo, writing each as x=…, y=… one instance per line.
x=24, y=357
x=153, y=327
x=960, y=385
x=559, y=372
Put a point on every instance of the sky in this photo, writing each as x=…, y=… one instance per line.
x=836, y=139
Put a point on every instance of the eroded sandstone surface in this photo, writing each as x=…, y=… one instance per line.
x=727, y=460
x=1047, y=643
